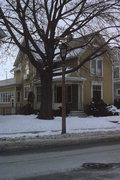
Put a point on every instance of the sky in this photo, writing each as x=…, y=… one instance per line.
x=5, y=68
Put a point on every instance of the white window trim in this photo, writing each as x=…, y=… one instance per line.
x=97, y=59
x=11, y=93
x=97, y=84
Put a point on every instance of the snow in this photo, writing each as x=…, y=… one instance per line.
x=75, y=52
x=13, y=126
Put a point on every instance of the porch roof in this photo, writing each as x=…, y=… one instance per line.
x=8, y=82
x=69, y=79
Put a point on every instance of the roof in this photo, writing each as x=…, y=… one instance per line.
x=69, y=79
x=76, y=46
x=7, y=82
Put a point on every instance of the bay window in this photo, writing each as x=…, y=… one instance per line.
x=5, y=97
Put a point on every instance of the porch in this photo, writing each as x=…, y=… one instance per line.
x=74, y=93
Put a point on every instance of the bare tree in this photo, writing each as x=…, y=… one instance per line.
x=42, y=23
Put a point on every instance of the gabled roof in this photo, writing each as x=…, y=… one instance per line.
x=76, y=46
x=20, y=54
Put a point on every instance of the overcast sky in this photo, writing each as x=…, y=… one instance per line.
x=6, y=62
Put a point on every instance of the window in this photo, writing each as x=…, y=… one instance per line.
x=58, y=94
x=18, y=96
x=118, y=92
x=116, y=72
x=27, y=68
x=38, y=93
x=97, y=91
x=5, y=97
x=26, y=72
x=26, y=91
x=96, y=67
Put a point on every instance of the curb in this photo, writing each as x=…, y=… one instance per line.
x=48, y=143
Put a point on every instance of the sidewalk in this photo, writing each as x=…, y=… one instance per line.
x=55, y=141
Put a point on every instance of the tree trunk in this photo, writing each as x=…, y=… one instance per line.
x=46, y=97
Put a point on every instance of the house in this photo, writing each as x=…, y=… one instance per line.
x=93, y=79
x=116, y=75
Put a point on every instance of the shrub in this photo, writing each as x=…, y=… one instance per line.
x=99, y=108
x=27, y=109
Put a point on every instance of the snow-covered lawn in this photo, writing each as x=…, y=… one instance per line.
x=20, y=125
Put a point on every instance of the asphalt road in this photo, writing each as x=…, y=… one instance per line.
x=65, y=164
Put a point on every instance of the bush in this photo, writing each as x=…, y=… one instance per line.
x=99, y=108
x=27, y=109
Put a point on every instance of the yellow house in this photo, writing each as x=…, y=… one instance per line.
x=93, y=79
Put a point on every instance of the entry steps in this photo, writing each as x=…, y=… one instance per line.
x=78, y=113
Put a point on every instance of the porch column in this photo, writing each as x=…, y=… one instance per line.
x=80, y=96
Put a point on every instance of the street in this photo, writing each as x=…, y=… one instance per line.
x=65, y=164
